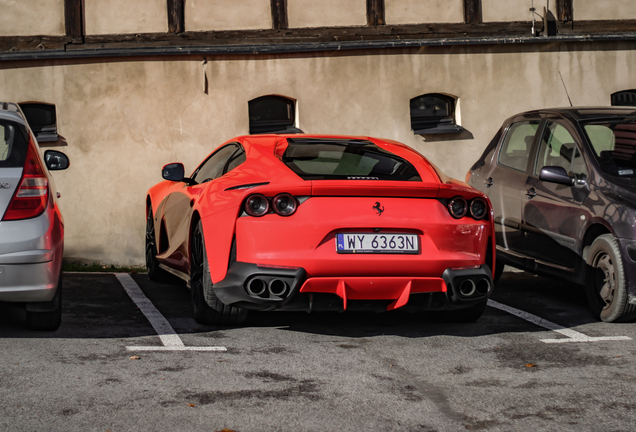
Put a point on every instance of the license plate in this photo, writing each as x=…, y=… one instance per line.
x=377, y=243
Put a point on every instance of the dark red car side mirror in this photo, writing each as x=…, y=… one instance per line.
x=556, y=174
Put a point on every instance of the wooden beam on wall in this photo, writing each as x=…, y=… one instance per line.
x=472, y=12
x=176, y=21
x=279, y=14
x=300, y=40
x=565, y=10
x=270, y=37
x=375, y=13
x=74, y=18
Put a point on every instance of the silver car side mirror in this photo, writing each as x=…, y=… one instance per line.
x=56, y=160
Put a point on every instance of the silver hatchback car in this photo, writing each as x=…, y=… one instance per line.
x=31, y=225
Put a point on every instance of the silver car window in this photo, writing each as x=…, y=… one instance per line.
x=13, y=145
x=6, y=141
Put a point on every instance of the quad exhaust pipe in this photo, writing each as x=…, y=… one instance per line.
x=470, y=287
x=261, y=287
x=468, y=284
x=467, y=287
x=256, y=287
x=277, y=287
x=482, y=286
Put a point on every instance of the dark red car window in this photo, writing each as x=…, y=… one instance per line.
x=614, y=145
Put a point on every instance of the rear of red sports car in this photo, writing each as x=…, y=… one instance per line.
x=342, y=223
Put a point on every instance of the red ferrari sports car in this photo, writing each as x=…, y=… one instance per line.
x=315, y=223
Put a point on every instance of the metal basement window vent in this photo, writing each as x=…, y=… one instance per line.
x=272, y=114
x=42, y=119
x=624, y=98
x=433, y=113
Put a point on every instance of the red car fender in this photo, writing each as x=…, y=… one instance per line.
x=157, y=193
x=454, y=188
x=219, y=226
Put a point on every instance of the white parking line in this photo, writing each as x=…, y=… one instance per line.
x=571, y=335
x=169, y=338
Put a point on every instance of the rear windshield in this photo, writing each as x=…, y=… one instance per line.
x=346, y=160
x=13, y=145
x=614, y=145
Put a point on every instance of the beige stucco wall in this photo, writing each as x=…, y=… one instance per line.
x=427, y=11
x=125, y=16
x=204, y=15
x=124, y=119
x=31, y=17
x=514, y=10
x=326, y=13
x=604, y=10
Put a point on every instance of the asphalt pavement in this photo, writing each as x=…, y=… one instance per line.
x=129, y=356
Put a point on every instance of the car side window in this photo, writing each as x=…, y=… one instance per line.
x=517, y=144
x=6, y=144
x=558, y=148
x=237, y=158
x=601, y=137
x=213, y=167
x=579, y=169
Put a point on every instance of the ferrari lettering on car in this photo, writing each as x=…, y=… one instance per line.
x=292, y=223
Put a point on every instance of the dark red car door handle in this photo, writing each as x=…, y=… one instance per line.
x=530, y=193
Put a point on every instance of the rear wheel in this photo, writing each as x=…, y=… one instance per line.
x=210, y=311
x=152, y=264
x=606, y=286
x=469, y=314
x=48, y=320
x=499, y=268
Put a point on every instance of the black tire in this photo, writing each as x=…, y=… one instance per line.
x=499, y=268
x=49, y=320
x=207, y=308
x=155, y=273
x=465, y=315
x=606, y=287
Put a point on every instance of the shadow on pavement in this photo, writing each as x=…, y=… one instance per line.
x=96, y=306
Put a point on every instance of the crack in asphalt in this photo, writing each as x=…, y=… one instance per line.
x=430, y=391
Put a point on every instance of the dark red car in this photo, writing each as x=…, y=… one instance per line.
x=563, y=188
x=301, y=222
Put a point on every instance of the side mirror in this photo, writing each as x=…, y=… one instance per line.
x=173, y=172
x=55, y=160
x=556, y=174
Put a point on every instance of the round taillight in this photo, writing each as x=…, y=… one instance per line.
x=256, y=205
x=284, y=204
x=478, y=208
x=458, y=207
